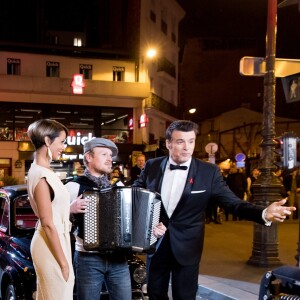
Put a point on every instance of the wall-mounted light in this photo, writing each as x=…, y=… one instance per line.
x=192, y=110
x=151, y=53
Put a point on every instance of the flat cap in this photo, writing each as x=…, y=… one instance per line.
x=100, y=142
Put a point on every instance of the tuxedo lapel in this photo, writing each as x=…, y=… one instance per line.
x=188, y=187
x=160, y=174
x=159, y=180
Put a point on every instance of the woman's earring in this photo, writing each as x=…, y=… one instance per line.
x=49, y=154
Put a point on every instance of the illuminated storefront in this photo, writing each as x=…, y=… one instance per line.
x=83, y=122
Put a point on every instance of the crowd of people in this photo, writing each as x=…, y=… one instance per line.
x=188, y=187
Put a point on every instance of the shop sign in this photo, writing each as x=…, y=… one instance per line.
x=71, y=156
x=85, y=67
x=78, y=84
x=130, y=124
x=118, y=69
x=78, y=139
x=18, y=164
x=14, y=61
x=143, y=120
x=52, y=64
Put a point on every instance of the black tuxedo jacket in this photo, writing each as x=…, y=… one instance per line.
x=186, y=225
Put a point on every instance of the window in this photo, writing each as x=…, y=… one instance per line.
x=52, y=69
x=174, y=39
x=153, y=16
x=24, y=215
x=13, y=66
x=118, y=73
x=164, y=27
x=77, y=42
x=4, y=213
x=163, y=24
x=173, y=30
x=86, y=71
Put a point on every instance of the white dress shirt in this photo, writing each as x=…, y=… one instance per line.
x=173, y=185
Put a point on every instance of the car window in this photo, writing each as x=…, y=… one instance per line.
x=3, y=212
x=25, y=217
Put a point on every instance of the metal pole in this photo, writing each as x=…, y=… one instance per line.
x=267, y=187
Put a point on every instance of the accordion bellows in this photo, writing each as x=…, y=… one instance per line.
x=121, y=218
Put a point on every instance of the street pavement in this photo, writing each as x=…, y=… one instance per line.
x=224, y=272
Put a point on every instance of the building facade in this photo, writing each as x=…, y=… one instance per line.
x=97, y=83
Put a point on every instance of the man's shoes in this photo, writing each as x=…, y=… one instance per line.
x=217, y=222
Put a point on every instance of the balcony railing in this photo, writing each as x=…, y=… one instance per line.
x=164, y=65
x=158, y=103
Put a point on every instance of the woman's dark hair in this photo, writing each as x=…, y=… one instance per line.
x=38, y=130
x=181, y=125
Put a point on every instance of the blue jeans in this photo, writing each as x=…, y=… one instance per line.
x=93, y=269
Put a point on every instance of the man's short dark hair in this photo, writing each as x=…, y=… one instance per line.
x=181, y=125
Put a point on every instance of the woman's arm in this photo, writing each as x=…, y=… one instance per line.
x=43, y=202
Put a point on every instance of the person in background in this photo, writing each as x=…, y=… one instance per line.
x=291, y=183
x=126, y=173
x=50, y=201
x=187, y=186
x=237, y=183
x=250, y=180
x=225, y=170
x=115, y=176
x=278, y=173
x=94, y=268
x=136, y=170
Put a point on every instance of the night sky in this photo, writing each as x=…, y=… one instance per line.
x=241, y=19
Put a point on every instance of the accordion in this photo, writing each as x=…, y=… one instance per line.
x=121, y=218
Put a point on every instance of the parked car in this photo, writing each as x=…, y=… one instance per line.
x=17, y=225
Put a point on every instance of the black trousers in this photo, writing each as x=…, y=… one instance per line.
x=161, y=266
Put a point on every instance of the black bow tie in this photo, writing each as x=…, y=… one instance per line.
x=177, y=167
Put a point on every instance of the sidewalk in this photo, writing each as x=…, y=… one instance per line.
x=224, y=272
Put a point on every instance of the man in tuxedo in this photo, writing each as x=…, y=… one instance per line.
x=187, y=186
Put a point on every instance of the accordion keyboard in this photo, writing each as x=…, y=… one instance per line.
x=91, y=221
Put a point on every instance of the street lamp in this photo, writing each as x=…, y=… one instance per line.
x=267, y=187
x=192, y=110
x=151, y=53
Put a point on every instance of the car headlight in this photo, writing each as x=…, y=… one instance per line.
x=139, y=275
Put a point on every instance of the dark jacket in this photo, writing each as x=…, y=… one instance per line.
x=134, y=173
x=237, y=182
x=186, y=225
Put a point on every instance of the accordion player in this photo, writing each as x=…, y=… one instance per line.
x=121, y=218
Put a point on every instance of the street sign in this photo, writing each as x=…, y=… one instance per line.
x=256, y=66
x=211, y=148
x=289, y=2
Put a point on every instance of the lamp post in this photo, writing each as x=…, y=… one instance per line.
x=267, y=187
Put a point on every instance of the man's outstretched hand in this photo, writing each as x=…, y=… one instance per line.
x=277, y=212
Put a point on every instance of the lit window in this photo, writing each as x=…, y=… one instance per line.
x=77, y=42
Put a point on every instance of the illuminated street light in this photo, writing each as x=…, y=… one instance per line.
x=192, y=110
x=151, y=53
